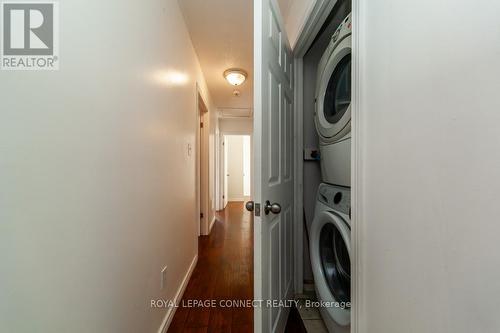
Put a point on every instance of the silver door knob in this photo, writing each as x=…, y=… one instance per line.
x=274, y=208
x=250, y=206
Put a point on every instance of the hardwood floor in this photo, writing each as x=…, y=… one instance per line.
x=224, y=272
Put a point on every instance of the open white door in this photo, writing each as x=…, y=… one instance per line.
x=273, y=181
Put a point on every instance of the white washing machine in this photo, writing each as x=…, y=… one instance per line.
x=330, y=251
x=333, y=107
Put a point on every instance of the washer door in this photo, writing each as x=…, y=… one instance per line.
x=333, y=98
x=330, y=250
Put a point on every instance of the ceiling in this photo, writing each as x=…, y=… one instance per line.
x=285, y=6
x=222, y=35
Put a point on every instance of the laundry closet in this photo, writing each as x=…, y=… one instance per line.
x=326, y=94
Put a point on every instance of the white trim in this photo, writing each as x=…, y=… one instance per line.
x=202, y=143
x=211, y=225
x=197, y=162
x=171, y=311
x=356, y=174
x=315, y=20
x=299, y=177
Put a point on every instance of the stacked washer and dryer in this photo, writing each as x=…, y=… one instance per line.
x=330, y=231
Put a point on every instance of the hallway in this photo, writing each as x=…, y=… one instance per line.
x=224, y=272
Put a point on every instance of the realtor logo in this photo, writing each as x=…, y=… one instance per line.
x=29, y=35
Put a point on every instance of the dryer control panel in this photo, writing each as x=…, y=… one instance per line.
x=336, y=197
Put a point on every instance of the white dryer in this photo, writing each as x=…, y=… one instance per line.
x=332, y=115
x=330, y=251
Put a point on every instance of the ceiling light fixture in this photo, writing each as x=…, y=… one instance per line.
x=235, y=76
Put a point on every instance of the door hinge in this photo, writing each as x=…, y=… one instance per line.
x=201, y=125
x=201, y=215
x=223, y=197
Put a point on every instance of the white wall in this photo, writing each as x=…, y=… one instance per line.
x=429, y=123
x=97, y=188
x=236, y=126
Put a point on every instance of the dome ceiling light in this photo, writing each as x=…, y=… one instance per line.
x=235, y=76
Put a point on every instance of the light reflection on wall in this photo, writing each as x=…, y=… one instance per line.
x=172, y=78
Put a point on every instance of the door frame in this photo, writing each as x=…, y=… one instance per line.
x=221, y=172
x=313, y=22
x=202, y=164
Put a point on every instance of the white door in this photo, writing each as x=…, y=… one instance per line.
x=273, y=181
x=235, y=170
x=247, y=165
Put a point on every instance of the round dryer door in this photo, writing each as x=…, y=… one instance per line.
x=335, y=262
x=330, y=250
x=333, y=100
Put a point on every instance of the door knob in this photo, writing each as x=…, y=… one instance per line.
x=249, y=206
x=274, y=208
